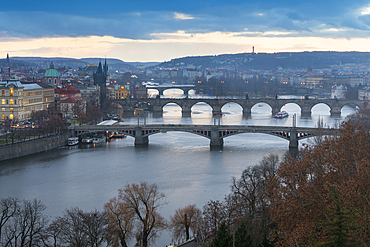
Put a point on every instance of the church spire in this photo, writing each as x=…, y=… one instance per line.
x=105, y=66
x=100, y=70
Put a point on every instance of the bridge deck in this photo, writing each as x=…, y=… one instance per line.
x=179, y=127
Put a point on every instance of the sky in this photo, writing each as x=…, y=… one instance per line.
x=156, y=31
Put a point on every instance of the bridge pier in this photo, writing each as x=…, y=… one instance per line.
x=157, y=114
x=293, y=139
x=335, y=112
x=306, y=113
x=216, y=141
x=247, y=113
x=186, y=113
x=140, y=140
x=293, y=143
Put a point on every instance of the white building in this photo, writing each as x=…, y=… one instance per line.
x=19, y=100
x=364, y=93
x=338, y=92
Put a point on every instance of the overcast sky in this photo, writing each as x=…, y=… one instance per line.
x=161, y=30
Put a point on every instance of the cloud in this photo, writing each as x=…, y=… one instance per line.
x=80, y=28
x=182, y=16
x=138, y=22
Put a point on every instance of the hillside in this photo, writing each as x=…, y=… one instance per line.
x=271, y=61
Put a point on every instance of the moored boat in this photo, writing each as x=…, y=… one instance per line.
x=98, y=139
x=72, y=141
x=282, y=114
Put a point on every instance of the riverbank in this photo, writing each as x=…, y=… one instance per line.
x=32, y=146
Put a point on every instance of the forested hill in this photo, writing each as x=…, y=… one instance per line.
x=271, y=61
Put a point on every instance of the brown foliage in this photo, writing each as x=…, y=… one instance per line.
x=300, y=196
x=184, y=220
x=143, y=201
x=120, y=223
x=93, y=113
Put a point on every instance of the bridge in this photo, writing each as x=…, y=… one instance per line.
x=215, y=133
x=186, y=104
x=164, y=87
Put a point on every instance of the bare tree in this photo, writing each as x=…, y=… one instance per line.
x=184, y=220
x=120, y=223
x=143, y=200
x=79, y=107
x=94, y=226
x=214, y=214
x=25, y=228
x=77, y=228
x=8, y=208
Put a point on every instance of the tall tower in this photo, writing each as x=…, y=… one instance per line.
x=100, y=78
x=7, y=59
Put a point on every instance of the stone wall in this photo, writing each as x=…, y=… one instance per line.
x=42, y=144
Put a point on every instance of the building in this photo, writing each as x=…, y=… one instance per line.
x=67, y=92
x=72, y=106
x=140, y=92
x=47, y=95
x=19, y=100
x=89, y=93
x=364, y=93
x=52, y=76
x=100, y=79
x=338, y=92
x=122, y=92
x=89, y=70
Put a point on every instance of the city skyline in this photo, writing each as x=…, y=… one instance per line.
x=147, y=31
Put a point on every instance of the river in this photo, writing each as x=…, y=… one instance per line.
x=181, y=164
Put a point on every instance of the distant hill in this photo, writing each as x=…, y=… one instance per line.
x=271, y=61
x=241, y=61
x=114, y=64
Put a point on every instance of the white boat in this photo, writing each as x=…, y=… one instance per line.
x=87, y=140
x=98, y=139
x=282, y=114
x=72, y=141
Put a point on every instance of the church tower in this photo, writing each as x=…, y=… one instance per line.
x=100, y=78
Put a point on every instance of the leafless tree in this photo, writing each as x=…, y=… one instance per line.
x=120, y=223
x=214, y=214
x=144, y=200
x=250, y=191
x=77, y=228
x=8, y=208
x=26, y=226
x=78, y=107
x=185, y=220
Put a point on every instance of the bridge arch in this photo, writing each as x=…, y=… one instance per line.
x=237, y=107
x=325, y=109
x=291, y=108
x=177, y=91
x=201, y=107
x=172, y=108
x=261, y=108
x=153, y=92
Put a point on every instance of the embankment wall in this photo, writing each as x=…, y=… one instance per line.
x=42, y=144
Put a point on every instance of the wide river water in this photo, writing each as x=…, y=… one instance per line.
x=181, y=164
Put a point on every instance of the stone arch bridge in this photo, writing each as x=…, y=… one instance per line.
x=162, y=88
x=306, y=105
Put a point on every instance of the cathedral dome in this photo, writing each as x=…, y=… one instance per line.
x=52, y=72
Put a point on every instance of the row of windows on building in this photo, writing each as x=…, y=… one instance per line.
x=25, y=101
